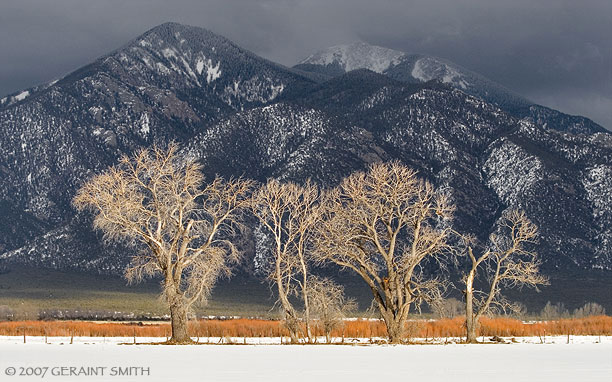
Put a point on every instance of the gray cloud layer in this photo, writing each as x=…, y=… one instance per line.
x=555, y=52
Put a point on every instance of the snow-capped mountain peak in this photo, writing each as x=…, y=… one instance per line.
x=358, y=55
x=411, y=68
x=419, y=68
x=242, y=115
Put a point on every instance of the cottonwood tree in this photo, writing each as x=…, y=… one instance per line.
x=590, y=309
x=507, y=262
x=554, y=311
x=162, y=204
x=288, y=212
x=385, y=224
x=447, y=307
x=329, y=305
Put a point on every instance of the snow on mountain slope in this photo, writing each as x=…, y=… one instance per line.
x=415, y=68
x=406, y=67
x=428, y=68
x=241, y=115
x=358, y=55
x=168, y=84
x=284, y=141
x=23, y=94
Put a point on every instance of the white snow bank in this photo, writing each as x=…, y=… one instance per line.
x=584, y=359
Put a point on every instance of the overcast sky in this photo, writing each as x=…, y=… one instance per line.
x=555, y=52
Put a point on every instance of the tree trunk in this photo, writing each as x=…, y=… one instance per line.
x=305, y=296
x=178, y=316
x=396, y=332
x=471, y=321
x=306, y=310
x=395, y=327
x=292, y=323
x=293, y=326
x=471, y=326
x=291, y=320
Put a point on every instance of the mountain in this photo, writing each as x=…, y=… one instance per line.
x=488, y=159
x=167, y=84
x=240, y=114
x=419, y=68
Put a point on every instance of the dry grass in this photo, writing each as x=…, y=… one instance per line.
x=81, y=329
x=241, y=327
x=597, y=325
x=507, y=327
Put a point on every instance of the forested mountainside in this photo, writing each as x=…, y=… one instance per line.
x=242, y=115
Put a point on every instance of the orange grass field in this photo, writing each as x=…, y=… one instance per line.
x=596, y=325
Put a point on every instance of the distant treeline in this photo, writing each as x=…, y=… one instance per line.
x=449, y=308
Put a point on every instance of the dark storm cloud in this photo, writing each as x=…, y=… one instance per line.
x=556, y=52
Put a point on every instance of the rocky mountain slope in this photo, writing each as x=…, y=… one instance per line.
x=243, y=115
x=419, y=68
x=168, y=84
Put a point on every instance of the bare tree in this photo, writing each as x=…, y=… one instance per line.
x=329, y=305
x=554, y=311
x=384, y=224
x=288, y=212
x=590, y=309
x=506, y=262
x=447, y=307
x=162, y=203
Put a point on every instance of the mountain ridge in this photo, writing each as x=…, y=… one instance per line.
x=240, y=114
x=418, y=68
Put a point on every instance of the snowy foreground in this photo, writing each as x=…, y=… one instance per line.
x=583, y=359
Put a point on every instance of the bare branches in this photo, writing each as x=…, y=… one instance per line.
x=328, y=304
x=384, y=224
x=508, y=262
x=159, y=200
x=288, y=213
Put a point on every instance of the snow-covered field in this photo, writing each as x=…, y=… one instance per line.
x=584, y=359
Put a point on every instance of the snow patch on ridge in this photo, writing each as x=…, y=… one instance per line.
x=145, y=125
x=427, y=69
x=213, y=72
x=21, y=96
x=167, y=52
x=254, y=89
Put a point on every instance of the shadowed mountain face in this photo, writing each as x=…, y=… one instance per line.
x=333, y=114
